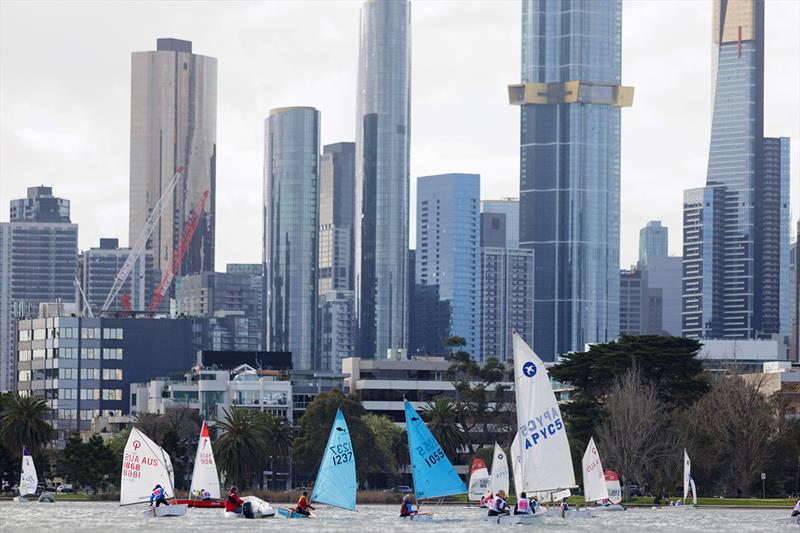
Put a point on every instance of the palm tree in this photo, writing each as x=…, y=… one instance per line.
x=241, y=451
x=440, y=415
x=23, y=423
x=278, y=435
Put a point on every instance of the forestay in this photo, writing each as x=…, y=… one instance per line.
x=546, y=460
x=516, y=464
x=594, y=479
x=434, y=475
x=204, y=475
x=478, y=480
x=499, y=478
x=144, y=465
x=28, y=480
x=336, y=480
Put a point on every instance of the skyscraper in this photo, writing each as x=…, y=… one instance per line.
x=570, y=167
x=291, y=215
x=653, y=240
x=448, y=250
x=382, y=176
x=743, y=293
x=510, y=208
x=98, y=267
x=336, y=216
x=174, y=124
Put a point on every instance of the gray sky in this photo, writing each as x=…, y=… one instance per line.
x=65, y=103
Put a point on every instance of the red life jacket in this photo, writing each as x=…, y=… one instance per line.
x=233, y=502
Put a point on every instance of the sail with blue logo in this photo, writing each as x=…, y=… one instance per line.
x=544, y=449
x=336, y=480
x=434, y=475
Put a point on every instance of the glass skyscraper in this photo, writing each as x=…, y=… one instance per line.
x=174, y=124
x=570, y=167
x=653, y=241
x=291, y=214
x=739, y=291
x=382, y=176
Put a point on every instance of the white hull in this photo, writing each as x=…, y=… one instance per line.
x=47, y=497
x=259, y=508
x=166, y=510
x=572, y=513
x=418, y=518
x=612, y=507
x=524, y=519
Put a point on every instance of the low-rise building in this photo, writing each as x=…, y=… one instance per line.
x=779, y=378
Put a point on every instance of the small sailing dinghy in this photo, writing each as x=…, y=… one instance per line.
x=499, y=479
x=432, y=473
x=545, y=458
x=336, y=483
x=516, y=468
x=145, y=465
x=478, y=480
x=595, y=488
x=28, y=480
x=688, y=481
x=204, y=474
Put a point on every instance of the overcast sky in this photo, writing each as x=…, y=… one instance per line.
x=65, y=99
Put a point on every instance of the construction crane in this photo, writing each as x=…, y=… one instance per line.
x=126, y=305
x=141, y=241
x=177, y=255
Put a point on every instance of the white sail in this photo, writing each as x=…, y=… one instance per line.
x=516, y=464
x=28, y=480
x=144, y=465
x=546, y=460
x=687, y=473
x=478, y=480
x=499, y=478
x=204, y=475
x=594, y=480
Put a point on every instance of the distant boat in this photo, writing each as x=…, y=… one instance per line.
x=499, y=477
x=204, y=475
x=478, y=480
x=688, y=481
x=595, y=488
x=144, y=465
x=28, y=480
x=431, y=470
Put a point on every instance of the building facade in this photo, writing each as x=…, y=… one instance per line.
x=335, y=329
x=653, y=240
x=290, y=248
x=382, y=176
x=336, y=216
x=510, y=208
x=99, y=267
x=570, y=99
x=664, y=278
x=174, y=124
x=448, y=250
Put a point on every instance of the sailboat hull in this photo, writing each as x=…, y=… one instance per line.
x=612, y=507
x=203, y=504
x=290, y=513
x=524, y=519
x=418, y=518
x=164, y=511
x=572, y=513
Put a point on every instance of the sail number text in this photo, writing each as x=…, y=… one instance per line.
x=430, y=452
x=342, y=453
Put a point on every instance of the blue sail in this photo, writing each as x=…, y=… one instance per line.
x=434, y=476
x=336, y=480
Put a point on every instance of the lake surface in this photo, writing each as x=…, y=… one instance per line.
x=107, y=516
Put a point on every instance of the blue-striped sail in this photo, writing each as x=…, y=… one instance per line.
x=434, y=476
x=336, y=480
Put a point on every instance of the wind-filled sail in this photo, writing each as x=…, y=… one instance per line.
x=478, y=480
x=336, y=480
x=687, y=478
x=594, y=479
x=144, y=465
x=499, y=478
x=204, y=475
x=28, y=480
x=613, y=487
x=546, y=460
x=516, y=464
x=434, y=475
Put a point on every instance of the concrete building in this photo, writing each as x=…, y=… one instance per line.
x=336, y=217
x=291, y=248
x=632, y=303
x=493, y=230
x=570, y=168
x=510, y=208
x=383, y=130
x=174, y=124
x=335, y=328
x=448, y=250
x=779, y=378
x=98, y=267
x=653, y=240
x=664, y=278
x=83, y=366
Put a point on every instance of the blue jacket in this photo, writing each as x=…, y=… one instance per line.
x=157, y=494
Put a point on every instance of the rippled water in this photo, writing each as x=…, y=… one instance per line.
x=105, y=516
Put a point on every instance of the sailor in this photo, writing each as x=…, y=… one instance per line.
x=233, y=503
x=303, y=506
x=498, y=505
x=564, y=506
x=407, y=509
x=486, y=501
x=523, y=505
x=159, y=495
x=204, y=494
x=535, y=504
x=796, y=509
x=606, y=502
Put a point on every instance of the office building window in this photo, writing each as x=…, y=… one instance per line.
x=112, y=353
x=90, y=394
x=112, y=374
x=90, y=373
x=90, y=353
x=112, y=333
x=112, y=394
x=90, y=333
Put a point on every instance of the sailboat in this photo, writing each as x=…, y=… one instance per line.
x=336, y=483
x=144, y=465
x=546, y=462
x=499, y=477
x=431, y=470
x=688, y=481
x=595, y=488
x=28, y=480
x=478, y=480
x=204, y=474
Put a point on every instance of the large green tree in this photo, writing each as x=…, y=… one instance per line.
x=23, y=423
x=241, y=451
x=278, y=436
x=90, y=464
x=441, y=418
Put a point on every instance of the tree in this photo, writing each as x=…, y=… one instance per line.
x=278, y=435
x=390, y=442
x=241, y=451
x=176, y=431
x=23, y=424
x=440, y=416
x=88, y=463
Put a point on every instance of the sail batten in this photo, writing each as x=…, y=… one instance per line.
x=336, y=480
x=434, y=475
x=204, y=474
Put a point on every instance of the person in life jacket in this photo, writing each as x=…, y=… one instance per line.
x=159, y=496
x=498, y=505
x=564, y=507
x=523, y=505
x=486, y=501
x=233, y=503
x=406, y=509
x=796, y=509
x=204, y=494
x=535, y=504
x=303, y=507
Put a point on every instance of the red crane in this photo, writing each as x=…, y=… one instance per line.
x=177, y=255
x=126, y=305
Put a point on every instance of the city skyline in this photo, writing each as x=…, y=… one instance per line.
x=37, y=132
